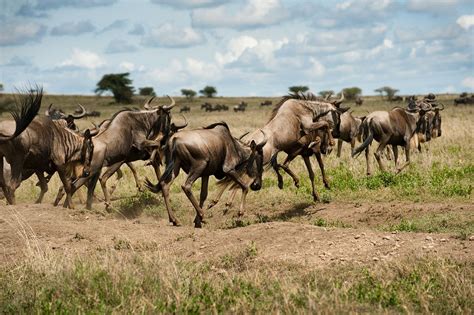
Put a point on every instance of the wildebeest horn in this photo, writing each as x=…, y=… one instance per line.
x=170, y=106
x=440, y=109
x=94, y=133
x=81, y=114
x=181, y=126
x=339, y=101
x=46, y=112
x=328, y=96
x=264, y=141
x=147, y=104
x=241, y=137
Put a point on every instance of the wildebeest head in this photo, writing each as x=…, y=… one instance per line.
x=87, y=152
x=254, y=163
x=56, y=114
x=333, y=115
x=436, y=122
x=162, y=126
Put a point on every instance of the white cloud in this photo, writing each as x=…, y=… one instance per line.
x=465, y=21
x=449, y=89
x=432, y=6
x=15, y=33
x=130, y=66
x=168, y=35
x=317, y=68
x=255, y=13
x=387, y=44
x=189, y=4
x=468, y=82
x=199, y=69
x=83, y=59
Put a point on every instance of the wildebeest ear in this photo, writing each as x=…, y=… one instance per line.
x=253, y=145
x=362, y=118
x=343, y=110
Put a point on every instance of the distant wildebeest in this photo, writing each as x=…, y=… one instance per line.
x=350, y=131
x=125, y=140
x=359, y=101
x=201, y=153
x=464, y=98
x=294, y=113
x=240, y=107
x=396, y=98
x=266, y=103
x=184, y=109
x=430, y=125
x=56, y=114
x=396, y=128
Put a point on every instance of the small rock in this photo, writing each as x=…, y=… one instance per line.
x=375, y=259
x=342, y=259
x=471, y=238
x=87, y=217
x=429, y=239
x=386, y=237
x=357, y=236
x=331, y=243
x=443, y=240
x=363, y=234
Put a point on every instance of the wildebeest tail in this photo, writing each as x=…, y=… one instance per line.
x=27, y=106
x=369, y=137
x=168, y=173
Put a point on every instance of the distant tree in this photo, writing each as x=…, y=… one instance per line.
x=390, y=92
x=1, y=87
x=7, y=104
x=323, y=94
x=352, y=93
x=208, y=91
x=298, y=88
x=380, y=91
x=147, y=91
x=189, y=93
x=117, y=83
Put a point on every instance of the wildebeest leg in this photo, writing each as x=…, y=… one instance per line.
x=215, y=200
x=339, y=147
x=103, y=182
x=92, y=182
x=379, y=152
x=204, y=185
x=407, y=153
x=15, y=180
x=43, y=183
x=59, y=196
x=193, y=175
x=242, y=202
x=307, y=162
x=321, y=167
x=229, y=202
x=367, y=161
x=395, y=155
x=63, y=175
x=2, y=178
x=276, y=168
x=135, y=176
x=388, y=153
x=353, y=143
x=285, y=167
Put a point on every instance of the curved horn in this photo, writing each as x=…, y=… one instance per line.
x=183, y=125
x=147, y=104
x=339, y=101
x=440, y=109
x=94, y=133
x=264, y=141
x=46, y=112
x=170, y=106
x=328, y=96
x=242, y=136
x=81, y=114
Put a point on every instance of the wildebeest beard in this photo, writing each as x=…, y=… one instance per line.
x=161, y=126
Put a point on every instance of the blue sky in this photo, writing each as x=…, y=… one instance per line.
x=242, y=47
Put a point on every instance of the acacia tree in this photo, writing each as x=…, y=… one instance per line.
x=146, y=91
x=387, y=90
x=188, y=93
x=118, y=84
x=298, y=88
x=352, y=93
x=208, y=91
x=325, y=93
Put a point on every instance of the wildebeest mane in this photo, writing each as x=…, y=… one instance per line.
x=221, y=123
x=295, y=96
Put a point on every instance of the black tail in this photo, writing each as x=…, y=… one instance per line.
x=369, y=137
x=27, y=107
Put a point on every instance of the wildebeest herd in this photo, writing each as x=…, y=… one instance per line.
x=300, y=124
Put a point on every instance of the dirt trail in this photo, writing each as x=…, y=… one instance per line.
x=74, y=232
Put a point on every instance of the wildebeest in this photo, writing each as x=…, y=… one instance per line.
x=396, y=128
x=201, y=153
x=240, y=107
x=294, y=113
x=350, y=130
x=359, y=101
x=184, y=109
x=266, y=103
x=396, y=98
x=430, y=125
x=464, y=98
x=44, y=146
x=57, y=114
x=125, y=140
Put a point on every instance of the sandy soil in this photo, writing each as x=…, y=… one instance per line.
x=43, y=228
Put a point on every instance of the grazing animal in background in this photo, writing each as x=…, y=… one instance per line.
x=430, y=125
x=185, y=109
x=201, y=153
x=266, y=103
x=396, y=98
x=396, y=128
x=350, y=130
x=464, y=98
x=359, y=101
x=125, y=140
x=240, y=107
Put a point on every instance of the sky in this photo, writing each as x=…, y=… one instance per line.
x=242, y=47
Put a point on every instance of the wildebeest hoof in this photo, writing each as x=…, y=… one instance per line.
x=211, y=204
x=175, y=223
x=316, y=199
x=297, y=184
x=108, y=207
x=240, y=214
x=280, y=184
x=326, y=185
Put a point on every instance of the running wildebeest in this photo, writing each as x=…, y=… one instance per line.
x=201, y=153
x=184, y=109
x=266, y=103
x=241, y=107
x=350, y=130
x=359, y=101
x=396, y=128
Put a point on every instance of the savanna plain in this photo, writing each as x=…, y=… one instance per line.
x=389, y=243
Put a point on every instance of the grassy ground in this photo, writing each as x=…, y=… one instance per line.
x=111, y=282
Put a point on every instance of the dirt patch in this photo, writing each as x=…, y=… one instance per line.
x=27, y=229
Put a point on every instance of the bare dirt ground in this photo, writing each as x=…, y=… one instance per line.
x=288, y=237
